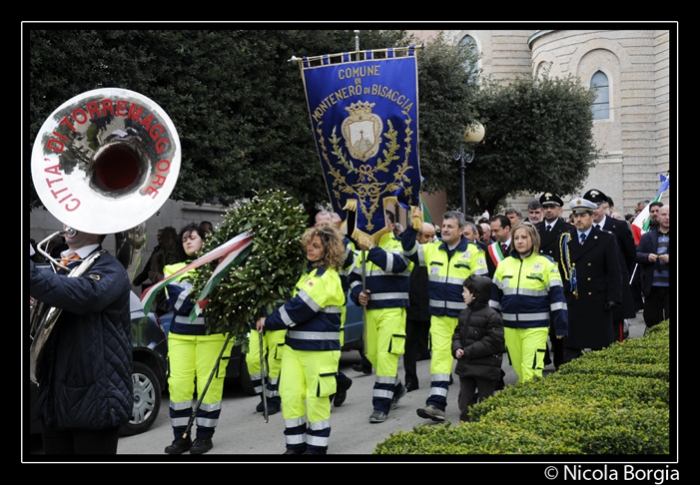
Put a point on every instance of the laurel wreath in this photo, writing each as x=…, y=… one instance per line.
x=267, y=277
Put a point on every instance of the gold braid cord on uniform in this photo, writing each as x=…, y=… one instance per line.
x=565, y=262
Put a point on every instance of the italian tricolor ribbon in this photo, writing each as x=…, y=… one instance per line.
x=231, y=253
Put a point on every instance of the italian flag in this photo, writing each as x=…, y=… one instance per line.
x=640, y=225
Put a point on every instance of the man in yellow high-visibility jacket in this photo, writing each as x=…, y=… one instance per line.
x=449, y=261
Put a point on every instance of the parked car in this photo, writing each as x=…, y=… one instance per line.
x=354, y=326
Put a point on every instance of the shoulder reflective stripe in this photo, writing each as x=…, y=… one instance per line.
x=495, y=304
x=301, y=335
x=389, y=296
x=316, y=440
x=558, y=306
x=355, y=283
x=295, y=439
x=525, y=292
x=481, y=271
x=413, y=250
x=319, y=425
x=181, y=299
x=439, y=377
x=293, y=423
x=178, y=406
x=210, y=407
x=285, y=317
x=421, y=255
x=306, y=298
x=389, y=262
x=185, y=319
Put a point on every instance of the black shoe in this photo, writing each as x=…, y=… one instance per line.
x=362, y=368
x=178, y=446
x=398, y=394
x=273, y=406
x=294, y=452
x=410, y=386
x=342, y=392
x=200, y=446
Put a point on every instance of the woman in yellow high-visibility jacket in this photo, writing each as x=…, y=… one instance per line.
x=312, y=344
x=192, y=356
x=528, y=291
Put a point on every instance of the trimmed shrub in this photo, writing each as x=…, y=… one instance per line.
x=613, y=401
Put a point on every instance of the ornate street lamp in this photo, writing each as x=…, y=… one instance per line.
x=474, y=133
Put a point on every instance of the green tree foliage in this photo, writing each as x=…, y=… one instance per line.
x=238, y=105
x=538, y=138
x=447, y=94
x=240, y=109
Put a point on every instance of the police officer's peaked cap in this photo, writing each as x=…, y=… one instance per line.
x=596, y=196
x=549, y=198
x=580, y=205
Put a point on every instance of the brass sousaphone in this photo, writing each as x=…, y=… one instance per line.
x=103, y=163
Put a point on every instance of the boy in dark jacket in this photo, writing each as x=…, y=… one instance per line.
x=477, y=344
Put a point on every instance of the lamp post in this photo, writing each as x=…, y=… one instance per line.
x=474, y=133
x=463, y=158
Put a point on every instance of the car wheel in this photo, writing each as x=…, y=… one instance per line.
x=146, y=400
x=244, y=378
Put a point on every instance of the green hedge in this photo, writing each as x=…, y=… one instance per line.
x=615, y=401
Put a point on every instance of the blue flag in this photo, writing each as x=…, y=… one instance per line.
x=364, y=115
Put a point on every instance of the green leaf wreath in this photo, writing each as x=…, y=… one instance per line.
x=267, y=277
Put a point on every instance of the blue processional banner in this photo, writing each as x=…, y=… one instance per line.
x=364, y=115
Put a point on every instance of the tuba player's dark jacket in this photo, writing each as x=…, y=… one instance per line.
x=84, y=371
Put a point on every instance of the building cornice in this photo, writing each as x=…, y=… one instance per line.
x=536, y=35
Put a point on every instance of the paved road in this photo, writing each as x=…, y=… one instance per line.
x=242, y=431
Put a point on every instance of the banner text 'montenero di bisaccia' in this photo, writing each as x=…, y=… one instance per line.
x=365, y=120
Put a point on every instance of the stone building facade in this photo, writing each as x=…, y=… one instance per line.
x=634, y=135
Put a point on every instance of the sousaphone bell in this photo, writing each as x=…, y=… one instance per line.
x=103, y=162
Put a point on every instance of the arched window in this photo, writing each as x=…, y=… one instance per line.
x=469, y=42
x=601, y=103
